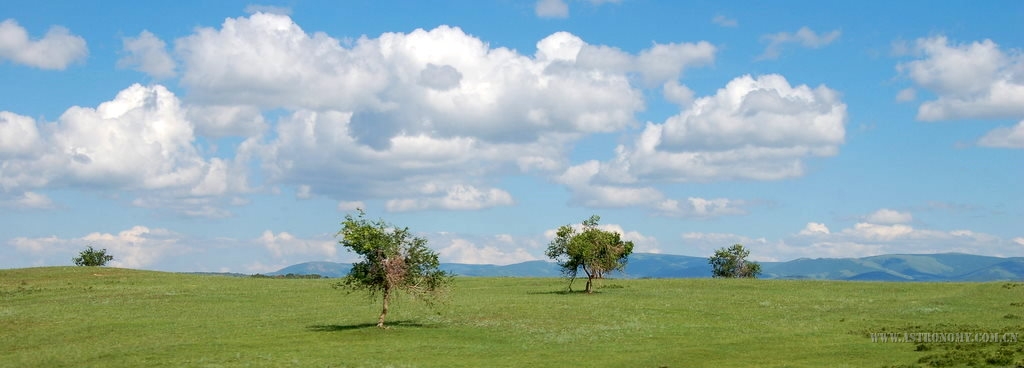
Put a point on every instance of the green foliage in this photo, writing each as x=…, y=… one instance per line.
x=392, y=260
x=732, y=263
x=92, y=257
x=591, y=249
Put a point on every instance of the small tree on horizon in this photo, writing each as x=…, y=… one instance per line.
x=393, y=260
x=92, y=258
x=593, y=250
x=732, y=263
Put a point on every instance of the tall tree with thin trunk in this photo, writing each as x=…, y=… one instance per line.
x=591, y=249
x=393, y=260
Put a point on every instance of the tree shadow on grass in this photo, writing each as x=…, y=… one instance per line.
x=332, y=328
x=561, y=292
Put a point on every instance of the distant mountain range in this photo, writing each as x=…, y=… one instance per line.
x=894, y=267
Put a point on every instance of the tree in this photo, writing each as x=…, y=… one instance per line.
x=593, y=250
x=392, y=260
x=92, y=257
x=732, y=263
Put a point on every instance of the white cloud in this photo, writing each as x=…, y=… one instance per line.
x=347, y=206
x=55, y=50
x=906, y=95
x=19, y=136
x=458, y=197
x=27, y=200
x=138, y=247
x=804, y=37
x=140, y=141
x=701, y=207
x=430, y=107
x=446, y=82
x=815, y=228
x=662, y=62
x=148, y=54
x=889, y=217
x=754, y=128
x=641, y=243
x=551, y=9
x=285, y=244
x=221, y=121
x=1004, y=137
x=677, y=93
x=971, y=80
x=497, y=251
x=724, y=21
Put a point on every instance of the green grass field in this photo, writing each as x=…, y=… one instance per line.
x=94, y=317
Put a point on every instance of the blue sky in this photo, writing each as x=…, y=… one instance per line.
x=235, y=136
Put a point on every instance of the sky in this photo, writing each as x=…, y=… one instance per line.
x=233, y=136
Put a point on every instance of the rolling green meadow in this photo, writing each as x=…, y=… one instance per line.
x=107, y=317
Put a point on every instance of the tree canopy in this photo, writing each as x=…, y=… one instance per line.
x=591, y=249
x=92, y=257
x=732, y=263
x=392, y=260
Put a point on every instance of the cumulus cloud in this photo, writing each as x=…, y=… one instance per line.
x=19, y=136
x=498, y=250
x=148, y=54
x=754, y=128
x=55, y=50
x=970, y=80
x=217, y=121
x=889, y=217
x=551, y=9
x=427, y=109
x=1004, y=137
x=804, y=37
x=442, y=82
x=677, y=93
x=815, y=228
x=458, y=197
x=139, y=141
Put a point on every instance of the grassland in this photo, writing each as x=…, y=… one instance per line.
x=97, y=317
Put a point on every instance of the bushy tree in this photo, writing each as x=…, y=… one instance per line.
x=732, y=263
x=392, y=260
x=593, y=250
x=92, y=257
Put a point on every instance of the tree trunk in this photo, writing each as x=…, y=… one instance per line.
x=590, y=280
x=384, y=310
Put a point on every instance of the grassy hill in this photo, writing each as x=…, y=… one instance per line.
x=104, y=317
